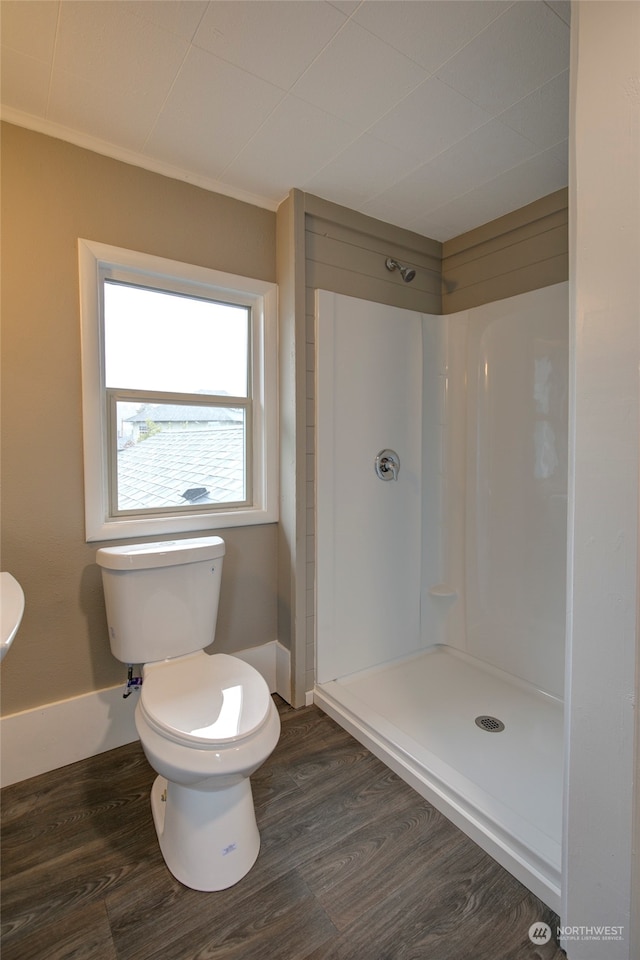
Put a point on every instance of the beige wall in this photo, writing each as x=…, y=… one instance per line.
x=346, y=253
x=292, y=412
x=53, y=193
x=525, y=250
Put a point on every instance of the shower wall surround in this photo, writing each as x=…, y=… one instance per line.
x=369, y=529
x=516, y=485
x=468, y=547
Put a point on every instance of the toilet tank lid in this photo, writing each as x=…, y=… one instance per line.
x=166, y=553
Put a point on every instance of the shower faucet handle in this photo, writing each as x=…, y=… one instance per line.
x=387, y=465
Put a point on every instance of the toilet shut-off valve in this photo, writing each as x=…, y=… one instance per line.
x=133, y=683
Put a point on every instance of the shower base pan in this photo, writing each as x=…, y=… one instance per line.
x=500, y=786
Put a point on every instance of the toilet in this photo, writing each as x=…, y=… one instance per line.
x=206, y=722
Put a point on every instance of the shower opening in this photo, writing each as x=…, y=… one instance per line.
x=440, y=598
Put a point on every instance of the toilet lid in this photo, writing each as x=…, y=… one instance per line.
x=205, y=699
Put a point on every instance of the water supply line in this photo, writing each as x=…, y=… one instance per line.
x=133, y=683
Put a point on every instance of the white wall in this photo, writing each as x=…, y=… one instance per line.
x=516, y=376
x=602, y=783
x=369, y=395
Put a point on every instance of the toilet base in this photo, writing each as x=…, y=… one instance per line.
x=209, y=839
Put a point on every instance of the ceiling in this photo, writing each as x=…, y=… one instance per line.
x=435, y=116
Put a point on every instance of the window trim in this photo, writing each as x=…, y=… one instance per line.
x=96, y=260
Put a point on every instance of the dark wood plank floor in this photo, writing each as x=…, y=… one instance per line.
x=354, y=865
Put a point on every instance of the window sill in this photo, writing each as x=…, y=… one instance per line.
x=124, y=529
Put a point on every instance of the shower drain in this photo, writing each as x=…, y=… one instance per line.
x=490, y=724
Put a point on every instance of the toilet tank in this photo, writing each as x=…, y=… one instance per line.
x=161, y=598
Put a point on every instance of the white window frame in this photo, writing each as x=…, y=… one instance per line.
x=97, y=260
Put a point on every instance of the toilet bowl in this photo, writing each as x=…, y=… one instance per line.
x=205, y=722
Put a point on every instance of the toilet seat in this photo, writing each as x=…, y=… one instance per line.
x=204, y=701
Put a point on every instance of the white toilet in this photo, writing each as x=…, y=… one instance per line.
x=206, y=723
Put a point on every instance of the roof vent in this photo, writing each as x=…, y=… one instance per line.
x=194, y=493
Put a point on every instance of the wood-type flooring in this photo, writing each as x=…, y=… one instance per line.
x=354, y=865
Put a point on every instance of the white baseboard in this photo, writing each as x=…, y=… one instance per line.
x=269, y=659
x=283, y=672
x=56, y=734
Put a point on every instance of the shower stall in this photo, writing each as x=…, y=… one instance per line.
x=441, y=483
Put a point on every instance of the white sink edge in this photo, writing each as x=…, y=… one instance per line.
x=11, y=610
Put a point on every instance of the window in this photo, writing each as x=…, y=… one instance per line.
x=179, y=387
